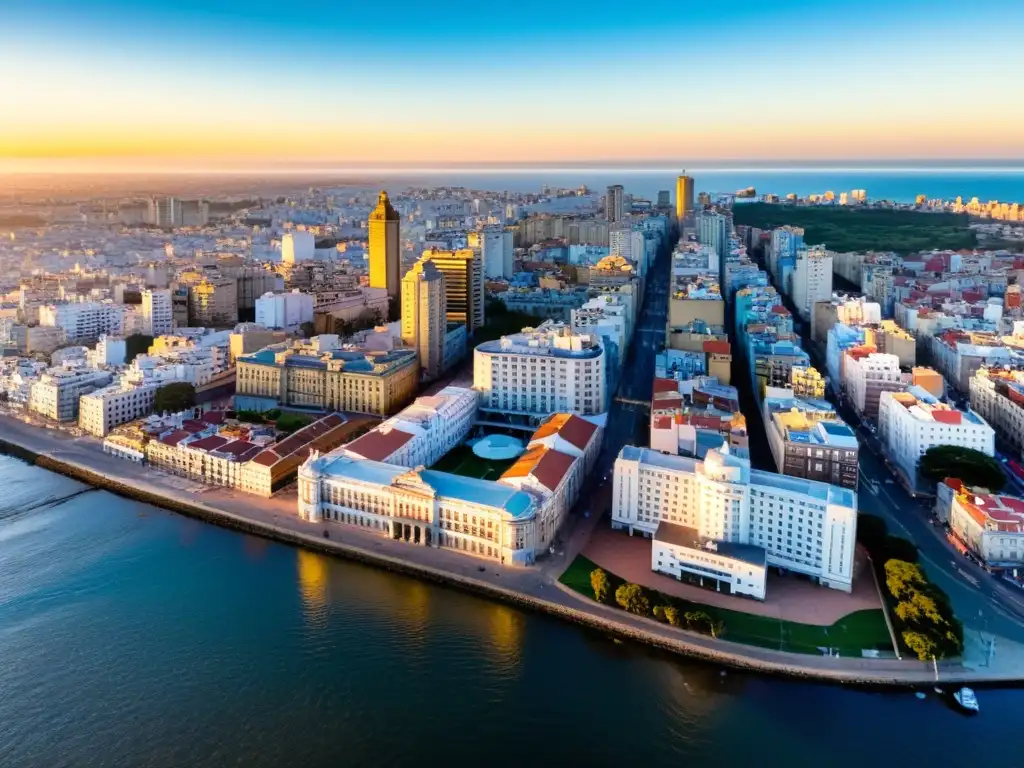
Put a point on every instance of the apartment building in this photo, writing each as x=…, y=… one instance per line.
x=809, y=440
x=911, y=422
x=284, y=311
x=866, y=375
x=83, y=321
x=57, y=392
x=157, y=312
x=103, y=409
x=997, y=395
x=812, y=279
x=989, y=525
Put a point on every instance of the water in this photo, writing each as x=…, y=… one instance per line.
x=903, y=184
x=134, y=637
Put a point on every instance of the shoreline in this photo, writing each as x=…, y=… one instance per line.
x=860, y=672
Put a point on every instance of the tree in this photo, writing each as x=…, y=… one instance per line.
x=600, y=584
x=699, y=621
x=919, y=607
x=898, y=548
x=921, y=644
x=308, y=329
x=175, y=397
x=903, y=579
x=973, y=467
x=135, y=345
x=632, y=598
x=292, y=422
x=659, y=612
x=672, y=616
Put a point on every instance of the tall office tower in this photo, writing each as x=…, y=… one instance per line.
x=463, y=286
x=385, y=252
x=614, y=203
x=424, y=311
x=157, y=313
x=297, y=246
x=165, y=211
x=684, y=195
x=713, y=229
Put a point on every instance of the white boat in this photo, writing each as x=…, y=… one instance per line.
x=965, y=698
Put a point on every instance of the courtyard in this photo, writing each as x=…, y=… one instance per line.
x=462, y=461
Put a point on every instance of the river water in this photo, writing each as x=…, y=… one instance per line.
x=134, y=637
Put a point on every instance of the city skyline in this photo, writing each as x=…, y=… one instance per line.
x=229, y=85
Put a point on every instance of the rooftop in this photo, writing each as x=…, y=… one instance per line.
x=690, y=538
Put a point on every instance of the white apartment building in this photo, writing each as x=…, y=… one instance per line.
x=284, y=311
x=102, y=410
x=802, y=525
x=157, y=313
x=110, y=351
x=84, y=321
x=866, y=376
x=420, y=434
x=57, y=392
x=997, y=395
x=811, y=280
x=297, y=246
x=496, y=250
x=629, y=243
x=541, y=371
x=911, y=422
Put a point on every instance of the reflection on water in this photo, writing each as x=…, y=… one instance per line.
x=313, y=587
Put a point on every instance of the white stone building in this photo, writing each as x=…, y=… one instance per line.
x=285, y=311
x=737, y=569
x=803, y=526
x=157, y=312
x=989, y=525
x=297, y=246
x=85, y=320
x=102, y=410
x=811, y=279
x=57, y=392
x=540, y=371
x=911, y=422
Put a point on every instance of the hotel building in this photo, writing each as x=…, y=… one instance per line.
x=802, y=525
x=541, y=371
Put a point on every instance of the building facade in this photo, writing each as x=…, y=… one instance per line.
x=57, y=392
x=424, y=323
x=541, y=371
x=803, y=526
x=102, y=410
x=284, y=311
x=83, y=321
x=463, y=285
x=157, y=312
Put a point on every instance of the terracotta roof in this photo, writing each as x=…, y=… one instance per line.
x=175, y=437
x=267, y=458
x=717, y=347
x=569, y=427
x=526, y=463
x=236, y=447
x=665, y=385
x=211, y=443
x=552, y=467
x=946, y=417
x=193, y=425
x=377, y=444
x=213, y=417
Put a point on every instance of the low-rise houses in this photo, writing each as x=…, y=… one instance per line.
x=989, y=525
x=911, y=422
x=801, y=525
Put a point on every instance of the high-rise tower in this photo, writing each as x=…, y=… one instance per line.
x=385, y=252
x=615, y=204
x=684, y=195
x=423, y=315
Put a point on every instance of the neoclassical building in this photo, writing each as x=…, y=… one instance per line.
x=421, y=506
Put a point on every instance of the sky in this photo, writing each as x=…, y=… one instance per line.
x=250, y=83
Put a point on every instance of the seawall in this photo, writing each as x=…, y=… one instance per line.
x=598, y=618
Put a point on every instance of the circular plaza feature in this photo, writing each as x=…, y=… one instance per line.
x=498, y=447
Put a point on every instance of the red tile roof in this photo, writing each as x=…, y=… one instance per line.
x=236, y=447
x=576, y=431
x=666, y=385
x=214, y=417
x=193, y=425
x=717, y=347
x=174, y=437
x=552, y=467
x=378, y=444
x=211, y=443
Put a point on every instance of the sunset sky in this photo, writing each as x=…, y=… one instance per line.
x=239, y=82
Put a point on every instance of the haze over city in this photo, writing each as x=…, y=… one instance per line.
x=231, y=84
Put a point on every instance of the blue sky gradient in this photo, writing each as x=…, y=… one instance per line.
x=232, y=81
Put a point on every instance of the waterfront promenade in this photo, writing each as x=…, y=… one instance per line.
x=530, y=588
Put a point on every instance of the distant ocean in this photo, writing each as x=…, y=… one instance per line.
x=899, y=184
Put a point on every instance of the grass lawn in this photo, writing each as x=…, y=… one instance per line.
x=462, y=461
x=849, y=635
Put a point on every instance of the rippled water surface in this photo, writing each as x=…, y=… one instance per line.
x=134, y=637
